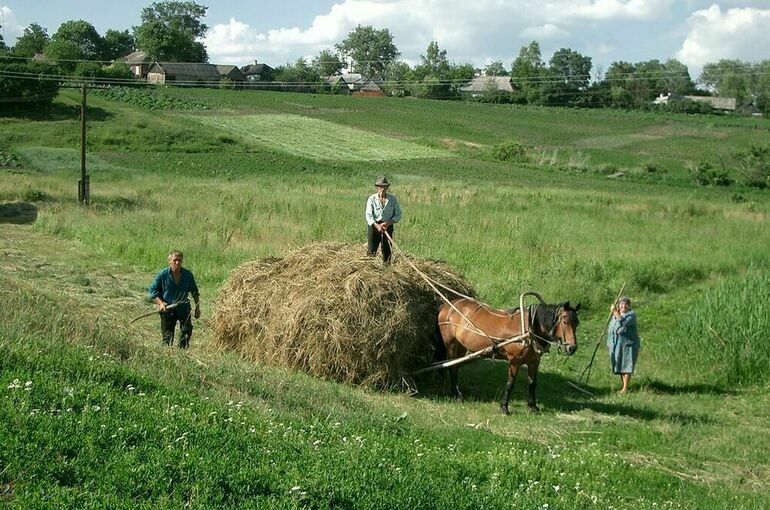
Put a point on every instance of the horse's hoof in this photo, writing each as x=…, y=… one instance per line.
x=534, y=409
x=504, y=410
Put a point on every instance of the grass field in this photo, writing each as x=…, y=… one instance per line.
x=101, y=416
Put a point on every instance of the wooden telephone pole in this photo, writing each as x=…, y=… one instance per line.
x=84, y=186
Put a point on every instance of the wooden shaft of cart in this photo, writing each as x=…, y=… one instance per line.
x=472, y=356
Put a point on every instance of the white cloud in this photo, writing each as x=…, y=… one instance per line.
x=469, y=31
x=11, y=28
x=547, y=31
x=739, y=33
x=643, y=10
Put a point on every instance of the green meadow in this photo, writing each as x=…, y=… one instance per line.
x=96, y=413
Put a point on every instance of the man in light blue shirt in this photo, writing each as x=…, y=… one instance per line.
x=382, y=211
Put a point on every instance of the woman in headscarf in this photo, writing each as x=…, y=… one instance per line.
x=623, y=341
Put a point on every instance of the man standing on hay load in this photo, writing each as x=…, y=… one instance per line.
x=382, y=211
x=169, y=291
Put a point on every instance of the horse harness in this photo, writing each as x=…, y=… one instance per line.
x=532, y=310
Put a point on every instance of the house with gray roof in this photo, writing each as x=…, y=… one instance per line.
x=725, y=104
x=190, y=74
x=258, y=72
x=360, y=85
x=139, y=62
x=481, y=85
x=338, y=85
x=232, y=73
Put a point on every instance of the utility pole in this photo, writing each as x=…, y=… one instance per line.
x=84, y=186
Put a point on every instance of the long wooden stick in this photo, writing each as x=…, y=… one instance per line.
x=470, y=357
x=601, y=336
x=169, y=307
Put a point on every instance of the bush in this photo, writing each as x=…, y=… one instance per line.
x=33, y=91
x=705, y=174
x=510, y=150
x=689, y=107
x=9, y=160
x=755, y=165
x=653, y=168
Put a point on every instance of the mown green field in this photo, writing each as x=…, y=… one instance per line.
x=98, y=414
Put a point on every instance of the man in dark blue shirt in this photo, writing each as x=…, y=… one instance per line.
x=169, y=290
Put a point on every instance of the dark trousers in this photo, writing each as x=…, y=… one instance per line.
x=168, y=322
x=375, y=238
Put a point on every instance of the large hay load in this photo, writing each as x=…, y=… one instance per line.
x=334, y=312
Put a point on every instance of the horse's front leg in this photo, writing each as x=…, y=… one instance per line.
x=532, y=387
x=512, y=371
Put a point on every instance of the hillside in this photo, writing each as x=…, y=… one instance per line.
x=101, y=415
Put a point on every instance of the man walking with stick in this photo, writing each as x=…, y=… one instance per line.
x=169, y=290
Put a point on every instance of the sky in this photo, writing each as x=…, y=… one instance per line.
x=479, y=32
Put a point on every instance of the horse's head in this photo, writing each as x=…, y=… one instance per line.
x=559, y=324
x=565, y=327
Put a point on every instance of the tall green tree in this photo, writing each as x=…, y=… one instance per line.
x=371, y=50
x=32, y=40
x=118, y=44
x=327, y=63
x=619, y=80
x=433, y=63
x=298, y=76
x=496, y=68
x=83, y=35
x=65, y=53
x=528, y=75
x=169, y=31
x=397, y=75
x=433, y=74
x=569, y=75
x=676, y=78
x=728, y=78
x=3, y=47
x=762, y=90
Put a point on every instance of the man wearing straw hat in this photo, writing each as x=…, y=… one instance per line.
x=382, y=211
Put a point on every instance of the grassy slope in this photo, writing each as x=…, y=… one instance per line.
x=513, y=229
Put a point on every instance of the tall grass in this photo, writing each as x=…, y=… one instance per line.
x=98, y=419
x=722, y=334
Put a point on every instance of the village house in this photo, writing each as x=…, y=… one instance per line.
x=360, y=85
x=338, y=85
x=718, y=103
x=232, y=73
x=481, y=85
x=257, y=72
x=198, y=74
x=139, y=62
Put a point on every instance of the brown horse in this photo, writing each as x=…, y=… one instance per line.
x=548, y=324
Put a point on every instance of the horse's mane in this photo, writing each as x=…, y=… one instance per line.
x=540, y=315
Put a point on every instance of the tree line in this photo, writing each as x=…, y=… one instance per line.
x=171, y=30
